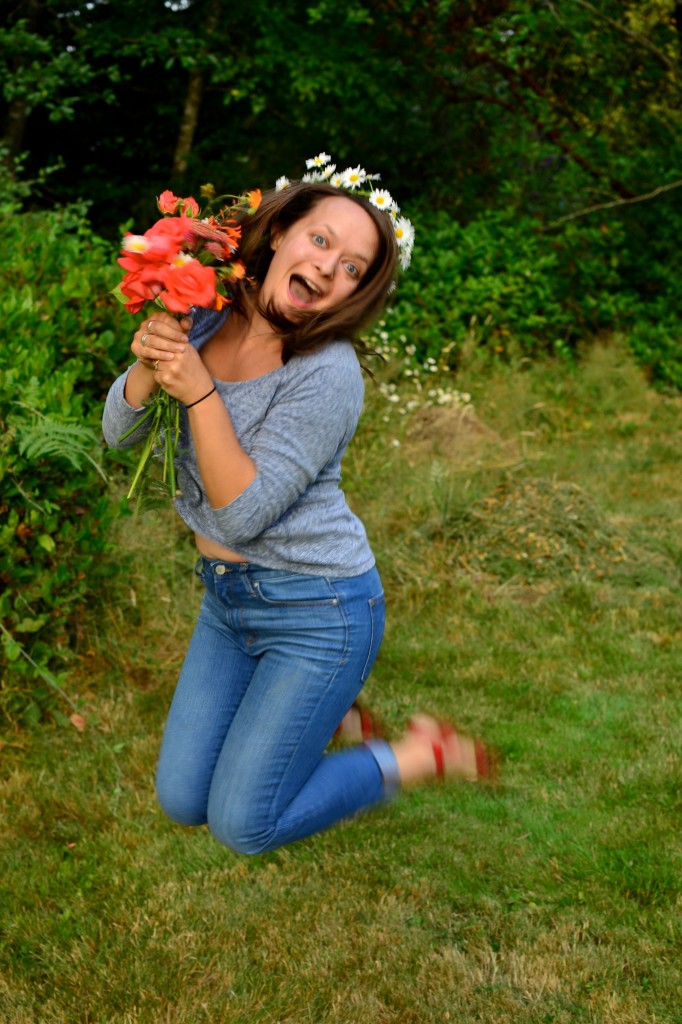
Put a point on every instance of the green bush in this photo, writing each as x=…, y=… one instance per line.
x=59, y=353
x=501, y=283
x=498, y=281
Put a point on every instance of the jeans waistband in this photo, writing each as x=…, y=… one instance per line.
x=219, y=567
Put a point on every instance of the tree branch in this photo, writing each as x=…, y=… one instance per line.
x=612, y=203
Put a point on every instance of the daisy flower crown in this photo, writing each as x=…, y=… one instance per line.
x=360, y=183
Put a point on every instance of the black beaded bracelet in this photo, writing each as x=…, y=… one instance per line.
x=208, y=393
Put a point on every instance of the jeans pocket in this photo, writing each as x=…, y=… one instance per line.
x=377, y=614
x=295, y=591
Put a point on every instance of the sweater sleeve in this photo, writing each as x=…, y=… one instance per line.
x=119, y=417
x=301, y=434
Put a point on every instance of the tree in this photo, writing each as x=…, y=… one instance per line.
x=543, y=107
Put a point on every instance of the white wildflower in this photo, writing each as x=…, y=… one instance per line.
x=318, y=161
x=353, y=177
x=135, y=243
x=380, y=198
x=404, y=233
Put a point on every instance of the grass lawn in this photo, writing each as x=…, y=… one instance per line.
x=530, y=543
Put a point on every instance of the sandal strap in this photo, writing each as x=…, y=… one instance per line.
x=440, y=760
x=486, y=761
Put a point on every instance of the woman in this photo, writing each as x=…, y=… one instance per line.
x=293, y=612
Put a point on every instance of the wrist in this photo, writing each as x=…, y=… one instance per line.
x=141, y=362
x=190, y=405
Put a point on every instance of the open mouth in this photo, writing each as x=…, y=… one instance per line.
x=302, y=291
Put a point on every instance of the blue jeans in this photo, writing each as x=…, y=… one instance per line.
x=276, y=660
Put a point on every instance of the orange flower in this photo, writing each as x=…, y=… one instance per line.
x=233, y=232
x=233, y=271
x=254, y=198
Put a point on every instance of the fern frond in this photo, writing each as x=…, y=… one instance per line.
x=46, y=437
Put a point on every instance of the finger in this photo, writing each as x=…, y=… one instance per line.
x=163, y=325
x=150, y=346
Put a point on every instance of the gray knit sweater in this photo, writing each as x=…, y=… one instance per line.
x=295, y=423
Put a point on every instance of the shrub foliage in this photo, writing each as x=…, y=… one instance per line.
x=503, y=283
x=58, y=354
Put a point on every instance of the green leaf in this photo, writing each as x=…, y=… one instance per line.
x=11, y=649
x=30, y=625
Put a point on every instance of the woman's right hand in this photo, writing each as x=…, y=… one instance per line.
x=159, y=338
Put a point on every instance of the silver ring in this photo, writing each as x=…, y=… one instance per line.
x=155, y=364
x=149, y=325
x=143, y=339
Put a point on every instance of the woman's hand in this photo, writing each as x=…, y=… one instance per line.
x=159, y=338
x=161, y=344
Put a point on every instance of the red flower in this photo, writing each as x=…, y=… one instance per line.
x=168, y=235
x=143, y=285
x=170, y=203
x=190, y=284
x=160, y=244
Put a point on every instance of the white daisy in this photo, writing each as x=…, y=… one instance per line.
x=135, y=243
x=336, y=180
x=318, y=161
x=282, y=183
x=311, y=177
x=181, y=258
x=382, y=199
x=405, y=257
x=404, y=233
x=327, y=171
x=353, y=177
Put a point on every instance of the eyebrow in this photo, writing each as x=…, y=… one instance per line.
x=354, y=255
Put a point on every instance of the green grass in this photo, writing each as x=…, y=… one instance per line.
x=553, y=898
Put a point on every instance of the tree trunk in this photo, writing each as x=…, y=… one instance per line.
x=15, y=126
x=192, y=108
x=17, y=111
x=188, y=125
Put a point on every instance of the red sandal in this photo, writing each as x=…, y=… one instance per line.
x=441, y=733
x=367, y=725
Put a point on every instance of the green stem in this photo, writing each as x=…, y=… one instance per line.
x=150, y=412
x=148, y=446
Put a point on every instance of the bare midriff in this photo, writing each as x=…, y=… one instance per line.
x=216, y=552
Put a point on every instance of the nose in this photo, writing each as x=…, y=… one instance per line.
x=326, y=263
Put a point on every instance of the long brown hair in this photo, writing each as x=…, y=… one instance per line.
x=279, y=210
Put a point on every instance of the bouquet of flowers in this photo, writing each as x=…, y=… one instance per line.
x=187, y=258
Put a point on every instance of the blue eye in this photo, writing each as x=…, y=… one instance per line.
x=319, y=240
x=352, y=270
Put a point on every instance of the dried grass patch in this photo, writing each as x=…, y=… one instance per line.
x=545, y=529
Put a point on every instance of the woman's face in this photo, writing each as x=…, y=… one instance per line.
x=320, y=260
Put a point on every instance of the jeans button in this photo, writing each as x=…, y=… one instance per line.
x=220, y=570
